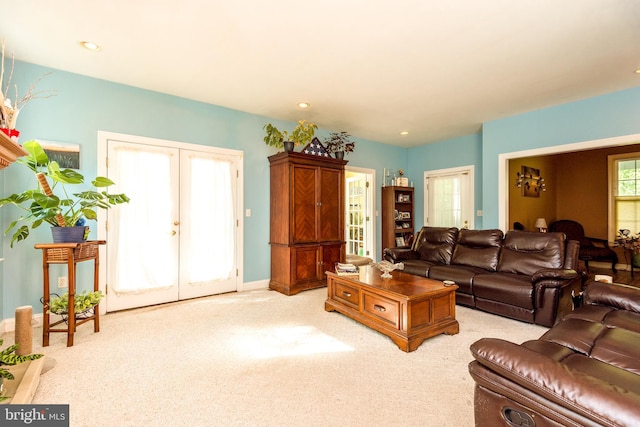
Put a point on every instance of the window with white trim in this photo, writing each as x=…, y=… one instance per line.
x=625, y=197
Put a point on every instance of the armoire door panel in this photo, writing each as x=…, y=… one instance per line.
x=304, y=204
x=305, y=261
x=331, y=254
x=331, y=209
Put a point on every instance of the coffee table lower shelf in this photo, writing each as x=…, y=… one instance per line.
x=406, y=308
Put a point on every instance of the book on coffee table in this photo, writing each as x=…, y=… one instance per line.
x=346, y=269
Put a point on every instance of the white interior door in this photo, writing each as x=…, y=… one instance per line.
x=177, y=237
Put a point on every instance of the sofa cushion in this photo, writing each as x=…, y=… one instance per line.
x=461, y=274
x=623, y=379
x=436, y=244
x=593, y=313
x=550, y=349
x=623, y=319
x=417, y=267
x=512, y=289
x=577, y=334
x=478, y=248
x=525, y=252
x=618, y=347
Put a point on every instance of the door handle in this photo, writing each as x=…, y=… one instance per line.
x=176, y=222
x=173, y=232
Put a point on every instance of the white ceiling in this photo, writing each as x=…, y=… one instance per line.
x=435, y=68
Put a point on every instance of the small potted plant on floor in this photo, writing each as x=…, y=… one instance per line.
x=65, y=204
x=301, y=135
x=339, y=143
x=9, y=358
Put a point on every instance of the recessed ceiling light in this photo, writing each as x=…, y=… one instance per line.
x=637, y=71
x=404, y=132
x=304, y=105
x=90, y=46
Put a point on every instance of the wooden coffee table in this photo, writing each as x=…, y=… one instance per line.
x=406, y=308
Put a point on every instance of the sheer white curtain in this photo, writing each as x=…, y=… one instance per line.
x=144, y=254
x=446, y=200
x=211, y=218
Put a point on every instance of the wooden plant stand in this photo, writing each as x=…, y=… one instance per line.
x=70, y=254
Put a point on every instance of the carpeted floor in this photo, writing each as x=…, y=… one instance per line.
x=260, y=358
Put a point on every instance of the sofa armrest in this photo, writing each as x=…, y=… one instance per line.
x=553, y=278
x=591, y=397
x=615, y=295
x=395, y=255
x=553, y=274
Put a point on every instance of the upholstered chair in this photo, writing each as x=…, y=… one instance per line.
x=591, y=248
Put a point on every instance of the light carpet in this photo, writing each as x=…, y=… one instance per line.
x=260, y=358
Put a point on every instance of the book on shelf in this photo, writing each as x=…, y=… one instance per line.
x=346, y=269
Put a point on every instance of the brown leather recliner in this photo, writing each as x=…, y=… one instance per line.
x=591, y=248
x=585, y=371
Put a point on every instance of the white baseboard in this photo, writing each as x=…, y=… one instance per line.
x=252, y=286
x=9, y=325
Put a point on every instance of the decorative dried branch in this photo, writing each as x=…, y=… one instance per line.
x=8, y=111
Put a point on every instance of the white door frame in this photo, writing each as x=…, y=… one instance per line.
x=371, y=196
x=104, y=136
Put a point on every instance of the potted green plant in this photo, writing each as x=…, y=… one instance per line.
x=64, y=210
x=339, y=143
x=9, y=358
x=301, y=135
x=81, y=302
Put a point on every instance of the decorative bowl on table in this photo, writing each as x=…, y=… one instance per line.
x=387, y=267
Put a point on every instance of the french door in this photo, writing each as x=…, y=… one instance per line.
x=359, y=222
x=177, y=237
x=449, y=197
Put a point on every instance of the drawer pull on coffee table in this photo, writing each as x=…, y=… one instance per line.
x=346, y=294
x=379, y=308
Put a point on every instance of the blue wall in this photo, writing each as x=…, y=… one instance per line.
x=84, y=105
x=463, y=151
x=606, y=116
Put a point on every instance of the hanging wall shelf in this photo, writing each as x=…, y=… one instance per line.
x=9, y=151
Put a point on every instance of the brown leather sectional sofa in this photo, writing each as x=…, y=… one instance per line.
x=585, y=371
x=523, y=275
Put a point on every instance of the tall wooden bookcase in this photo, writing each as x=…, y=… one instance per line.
x=307, y=220
x=397, y=216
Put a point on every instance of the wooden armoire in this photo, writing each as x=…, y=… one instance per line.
x=307, y=220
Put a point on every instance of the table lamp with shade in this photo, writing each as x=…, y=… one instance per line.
x=541, y=225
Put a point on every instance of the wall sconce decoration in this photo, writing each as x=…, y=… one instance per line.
x=531, y=182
